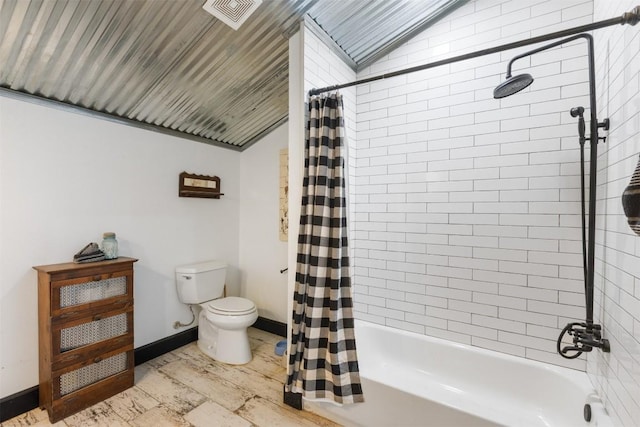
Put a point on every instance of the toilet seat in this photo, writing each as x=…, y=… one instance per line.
x=231, y=306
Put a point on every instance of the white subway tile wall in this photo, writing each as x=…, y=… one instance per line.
x=467, y=208
x=617, y=296
x=464, y=210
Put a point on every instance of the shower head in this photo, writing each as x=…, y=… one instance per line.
x=512, y=85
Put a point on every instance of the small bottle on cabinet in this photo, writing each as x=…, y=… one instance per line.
x=109, y=245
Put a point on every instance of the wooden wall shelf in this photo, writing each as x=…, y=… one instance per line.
x=204, y=186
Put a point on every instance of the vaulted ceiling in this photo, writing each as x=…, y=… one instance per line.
x=168, y=65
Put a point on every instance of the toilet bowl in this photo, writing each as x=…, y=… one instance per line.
x=223, y=321
x=222, y=331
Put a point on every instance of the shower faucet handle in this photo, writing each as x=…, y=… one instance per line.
x=585, y=336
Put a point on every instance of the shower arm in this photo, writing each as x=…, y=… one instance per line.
x=540, y=49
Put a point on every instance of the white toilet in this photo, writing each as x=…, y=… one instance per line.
x=223, y=322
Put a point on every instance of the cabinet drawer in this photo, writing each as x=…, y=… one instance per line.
x=100, y=368
x=85, y=339
x=87, y=293
x=90, y=330
x=83, y=398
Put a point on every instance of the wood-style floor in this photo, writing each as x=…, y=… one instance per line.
x=187, y=388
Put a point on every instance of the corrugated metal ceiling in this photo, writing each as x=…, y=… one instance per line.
x=374, y=27
x=170, y=65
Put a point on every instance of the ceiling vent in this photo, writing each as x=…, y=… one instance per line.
x=232, y=12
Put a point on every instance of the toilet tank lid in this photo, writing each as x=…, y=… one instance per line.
x=201, y=267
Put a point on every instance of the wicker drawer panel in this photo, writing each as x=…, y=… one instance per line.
x=92, y=332
x=82, y=377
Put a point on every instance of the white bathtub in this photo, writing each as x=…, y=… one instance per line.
x=414, y=380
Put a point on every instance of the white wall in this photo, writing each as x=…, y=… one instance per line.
x=64, y=179
x=296, y=160
x=262, y=253
x=617, y=302
x=468, y=216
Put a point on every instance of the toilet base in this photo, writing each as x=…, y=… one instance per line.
x=227, y=346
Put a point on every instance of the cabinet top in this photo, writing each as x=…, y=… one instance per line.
x=69, y=266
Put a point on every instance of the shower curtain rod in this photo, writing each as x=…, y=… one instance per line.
x=631, y=18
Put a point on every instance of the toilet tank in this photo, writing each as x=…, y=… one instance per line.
x=201, y=282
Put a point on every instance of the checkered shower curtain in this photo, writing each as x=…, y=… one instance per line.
x=322, y=359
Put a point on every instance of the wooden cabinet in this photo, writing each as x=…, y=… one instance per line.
x=85, y=330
